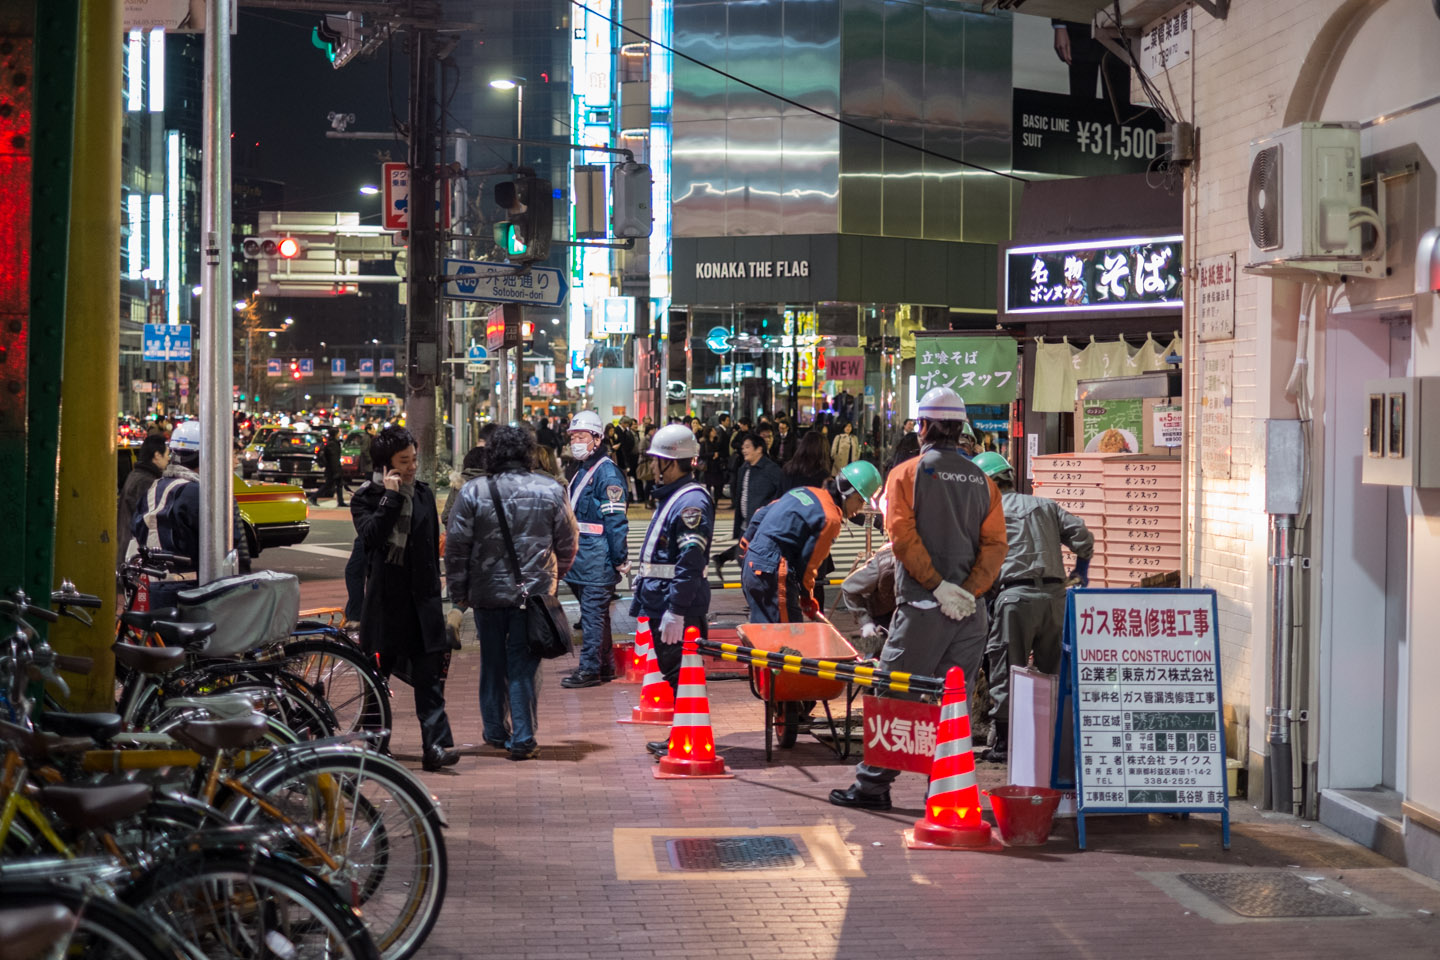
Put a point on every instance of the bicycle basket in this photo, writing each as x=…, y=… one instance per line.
x=248, y=610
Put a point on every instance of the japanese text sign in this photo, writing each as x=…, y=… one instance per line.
x=980, y=369
x=1149, y=724
x=167, y=342
x=1215, y=286
x=900, y=734
x=1094, y=276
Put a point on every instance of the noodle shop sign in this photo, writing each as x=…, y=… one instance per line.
x=1094, y=276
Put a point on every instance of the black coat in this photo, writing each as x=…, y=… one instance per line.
x=402, y=609
x=329, y=457
x=767, y=481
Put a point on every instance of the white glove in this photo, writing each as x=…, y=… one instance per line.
x=956, y=602
x=623, y=569
x=869, y=630
x=672, y=628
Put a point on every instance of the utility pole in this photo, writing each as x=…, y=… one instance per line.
x=422, y=321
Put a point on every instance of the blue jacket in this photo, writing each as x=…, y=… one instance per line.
x=171, y=510
x=684, y=543
x=599, y=505
x=797, y=528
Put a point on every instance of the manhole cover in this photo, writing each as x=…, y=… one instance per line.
x=1270, y=894
x=734, y=853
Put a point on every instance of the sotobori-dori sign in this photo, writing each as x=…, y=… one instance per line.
x=478, y=280
x=1142, y=673
x=1094, y=276
x=1078, y=136
x=980, y=369
x=167, y=343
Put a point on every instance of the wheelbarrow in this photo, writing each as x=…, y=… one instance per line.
x=783, y=693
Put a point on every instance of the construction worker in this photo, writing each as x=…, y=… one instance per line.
x=788, y=539
x=598, y=497
x=948, y=530
x=1028, y=613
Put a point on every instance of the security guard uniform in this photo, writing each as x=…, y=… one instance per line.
x=598, y=497
x=786, y=542
x=670, y=572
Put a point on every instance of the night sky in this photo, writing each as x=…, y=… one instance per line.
x=283, y=87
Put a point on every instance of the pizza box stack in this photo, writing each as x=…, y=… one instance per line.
x=1142, y=518
x=1076, y=481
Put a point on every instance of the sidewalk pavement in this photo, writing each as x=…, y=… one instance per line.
x=566, y=857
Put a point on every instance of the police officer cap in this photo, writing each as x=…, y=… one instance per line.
x=942, y=403
x=674, y=442
x=589, y=421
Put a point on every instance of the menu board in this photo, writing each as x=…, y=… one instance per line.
x=1143, y=673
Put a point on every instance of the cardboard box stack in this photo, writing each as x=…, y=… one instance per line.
x=1076, y=482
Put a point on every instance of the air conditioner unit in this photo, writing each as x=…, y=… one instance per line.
x=1304, y=185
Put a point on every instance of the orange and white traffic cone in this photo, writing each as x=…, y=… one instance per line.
x=657, y=700
x=952, y=803
x=690, y=753
x=640, y=654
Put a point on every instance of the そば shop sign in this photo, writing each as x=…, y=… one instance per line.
x=1094, y=276
x=980, y=369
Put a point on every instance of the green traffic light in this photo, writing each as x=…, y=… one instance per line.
x=319, y=44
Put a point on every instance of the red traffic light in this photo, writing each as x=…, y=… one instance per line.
x=527, y=329
x=289, y=248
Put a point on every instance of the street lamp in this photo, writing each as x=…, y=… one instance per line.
x=518, y=85
x=369, y=190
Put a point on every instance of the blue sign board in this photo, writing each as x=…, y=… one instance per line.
x=503, y=283
x=718, y=340
x=367, y=367
x=307, y=366
x=337, y=366
x=477, y=354
x=534, y=381
x=387, y=368
x=169, y=343
x=272, y=367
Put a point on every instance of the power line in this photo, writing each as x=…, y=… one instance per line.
x=795, y=103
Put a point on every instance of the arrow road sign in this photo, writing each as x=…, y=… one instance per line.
x=337, y=366
x=367, y=367
x=499, y=283
x=387, y=367
x=167, y=343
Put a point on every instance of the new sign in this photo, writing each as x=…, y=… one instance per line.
x=1138, y=273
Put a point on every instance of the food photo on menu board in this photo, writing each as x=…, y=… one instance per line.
x=1112, y=426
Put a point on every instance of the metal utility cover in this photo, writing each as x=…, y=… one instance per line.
x=1271, y=894
x=734, y=853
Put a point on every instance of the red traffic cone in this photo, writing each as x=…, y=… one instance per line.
x=952, y=804
x=657, y=701
x=690, y=753
x=640, y=654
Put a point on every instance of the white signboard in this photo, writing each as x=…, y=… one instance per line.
x=1215, y=428
x=616, y=316
x=1215, y=292
x=1166, y=42
x=1169, y=425
x=176, y=16
x=1145, y=681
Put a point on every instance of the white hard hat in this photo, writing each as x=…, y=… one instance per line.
x=186, y=436
x=675, y=442
x=942, y=403
x=587, y=420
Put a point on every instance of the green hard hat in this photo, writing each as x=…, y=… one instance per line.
x=992, y=463
x=863, y=478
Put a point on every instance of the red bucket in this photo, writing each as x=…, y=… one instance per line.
x=1024, y=814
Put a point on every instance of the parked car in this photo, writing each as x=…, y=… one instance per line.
x=250, y=455
x=273, y=514
x=289, y=457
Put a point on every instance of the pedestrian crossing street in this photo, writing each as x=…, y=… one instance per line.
x=848, y=546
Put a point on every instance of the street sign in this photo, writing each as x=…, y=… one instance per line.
x=167, y=343
x=337, y=366
x=367, y=367
x=475, y=358
x=534, y=381
x=307, y=366
x=502, y=327
x=396, y=177
x=272, y=368
x=479, y=280
x=387, y=367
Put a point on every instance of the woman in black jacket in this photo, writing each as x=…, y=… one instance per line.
x=402, y=622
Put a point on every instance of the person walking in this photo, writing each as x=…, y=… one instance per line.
x=479, y=577
x=948, y=530
x=597, y=497
x=402, y=619
x=758, y=481
x=150, y=462
x=329, y=456
x=845, y=448
x=714, y=459
x=1027, y=616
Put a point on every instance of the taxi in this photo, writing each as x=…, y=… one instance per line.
x=273, y=514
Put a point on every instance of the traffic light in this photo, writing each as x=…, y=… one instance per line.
x=266, y=245
x=294, y=370
x=528, y=204
x=630, y=199
x=340, y=36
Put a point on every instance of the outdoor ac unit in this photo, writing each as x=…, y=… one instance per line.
x=1304, y=185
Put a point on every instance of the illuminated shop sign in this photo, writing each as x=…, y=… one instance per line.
x=750, y=269
x=1131, y=274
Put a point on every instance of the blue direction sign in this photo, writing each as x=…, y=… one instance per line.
x=337, y=366
x=272, y=367
x=307, y=366
x=500, y=283
x=387, y=368
x=534, y=381
x=367, y=367
x=167, y=342
x=477, y=354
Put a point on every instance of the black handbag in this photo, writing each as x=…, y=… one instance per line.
x=547, y=627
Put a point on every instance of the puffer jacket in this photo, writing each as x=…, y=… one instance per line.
x=477, y=567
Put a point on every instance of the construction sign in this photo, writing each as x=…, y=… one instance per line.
x=900, y=734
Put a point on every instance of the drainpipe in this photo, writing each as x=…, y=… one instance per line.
x=1278, y=758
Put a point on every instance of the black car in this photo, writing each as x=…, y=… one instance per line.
x=289, y=456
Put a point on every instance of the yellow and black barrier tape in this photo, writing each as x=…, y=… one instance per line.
x=825, y=669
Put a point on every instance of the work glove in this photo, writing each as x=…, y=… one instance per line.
x=1081, y=571
x=956, y=602
x=810, y=607
x=672, y=628
x=869, y=630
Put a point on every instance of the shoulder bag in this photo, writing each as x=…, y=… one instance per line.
x=547, y=627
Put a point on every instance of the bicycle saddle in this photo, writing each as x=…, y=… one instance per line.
x=141, y=619
x=221, y=706
x=88, y=806
x=30, y=931
x=97, y=726
x=212, y=736
x=157, y=660
x=187, y=635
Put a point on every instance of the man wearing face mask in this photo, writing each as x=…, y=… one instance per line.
x=597, y=495
x=670, y=584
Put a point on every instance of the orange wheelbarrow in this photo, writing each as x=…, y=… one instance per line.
x=783, y=693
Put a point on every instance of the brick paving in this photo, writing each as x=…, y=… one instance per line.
x=533, y=871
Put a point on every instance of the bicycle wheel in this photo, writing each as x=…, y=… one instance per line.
x=347, y=680
x=105, y=930
x=224, y=904
x=376, y=820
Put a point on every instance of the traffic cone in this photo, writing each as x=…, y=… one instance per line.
x=690, y=753
x=657, y=700
x=640, y=654
x=952, y=804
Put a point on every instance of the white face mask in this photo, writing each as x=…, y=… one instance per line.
x=580, y=450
